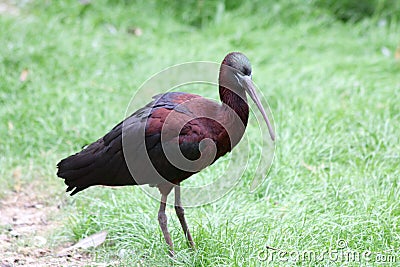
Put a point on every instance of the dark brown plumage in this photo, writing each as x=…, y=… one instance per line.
x=139, y=150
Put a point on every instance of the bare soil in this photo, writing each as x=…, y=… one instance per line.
x=26, y=223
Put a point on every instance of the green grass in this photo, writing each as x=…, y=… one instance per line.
x=334, y=95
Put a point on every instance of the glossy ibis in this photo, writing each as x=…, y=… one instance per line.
x=135, y=151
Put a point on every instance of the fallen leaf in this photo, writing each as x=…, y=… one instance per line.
x=309, y=167
x=10, y=126
x=135, y=31
x=397, y=54
x=24, y=75
x=94, y=240
x=17, y=179
x=313, y=169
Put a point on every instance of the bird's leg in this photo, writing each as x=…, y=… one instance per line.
x=180, y=212
x=162, y=219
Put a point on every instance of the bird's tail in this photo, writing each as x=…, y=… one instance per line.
x=98, y=164
x=78, y=171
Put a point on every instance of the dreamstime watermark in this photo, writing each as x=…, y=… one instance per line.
x=250, y=155
x=342, y=253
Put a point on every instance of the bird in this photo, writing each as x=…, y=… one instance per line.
x=171, y=138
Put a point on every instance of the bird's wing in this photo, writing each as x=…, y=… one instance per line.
x=113, y=159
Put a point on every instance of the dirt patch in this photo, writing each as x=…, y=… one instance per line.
x=6, y=7
x=26, y=221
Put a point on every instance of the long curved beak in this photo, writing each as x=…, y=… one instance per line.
x=251, y=90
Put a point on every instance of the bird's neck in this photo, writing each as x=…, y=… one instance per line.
x=236, y=102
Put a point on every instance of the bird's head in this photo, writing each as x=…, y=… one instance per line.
x=239, y=62
x=235, y=74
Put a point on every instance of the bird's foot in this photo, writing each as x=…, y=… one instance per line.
x=192, y=244
x=189, y=239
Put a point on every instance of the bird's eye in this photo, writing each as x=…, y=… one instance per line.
x=246, y=71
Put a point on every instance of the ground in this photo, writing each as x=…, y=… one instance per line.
x=28, y=220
